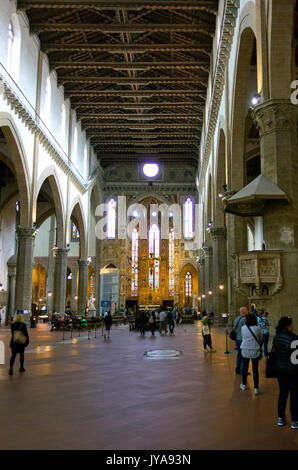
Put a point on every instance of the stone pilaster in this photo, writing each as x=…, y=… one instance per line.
x=219, y=269
x=83, y=285
x=60, y=280
x=23, y=290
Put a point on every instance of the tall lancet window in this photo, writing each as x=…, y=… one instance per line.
x=13, y=49
x=154, y=240
x=112, y=218
x=134, y=262
x=10, y=46
x=188, y=218
x=188, y=284
x=47, y=101
x=171, y=263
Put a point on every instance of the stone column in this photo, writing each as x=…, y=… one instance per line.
x=124, y=273
x=60, y=280
x=83, y=285
x=208, y=278
x=97, y=276
x=11, y=290
x=51, y=266
x=201, y=270
x=219, y=269
x=74, y=291
x=23, y=290
x=277, y=124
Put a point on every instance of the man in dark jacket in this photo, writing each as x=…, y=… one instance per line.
x=143, y=322
x=286, y=370
x=108, y=323
x=18, y=333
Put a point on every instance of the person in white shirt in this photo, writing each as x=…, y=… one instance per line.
x=251, y=349
x=163, y=323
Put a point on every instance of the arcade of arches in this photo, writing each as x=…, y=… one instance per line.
x=83, y=108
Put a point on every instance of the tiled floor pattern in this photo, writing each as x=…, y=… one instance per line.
x=96, y=394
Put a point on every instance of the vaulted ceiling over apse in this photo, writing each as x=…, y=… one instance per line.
x=136, y=72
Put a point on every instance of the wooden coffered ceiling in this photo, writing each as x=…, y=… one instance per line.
x=136, y=72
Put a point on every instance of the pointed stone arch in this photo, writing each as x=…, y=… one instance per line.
x=20, y=165
x=76, y=213
x=51, y=174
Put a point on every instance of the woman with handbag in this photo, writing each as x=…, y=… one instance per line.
x=251, y=349
x=19, y=341
x=286, y=371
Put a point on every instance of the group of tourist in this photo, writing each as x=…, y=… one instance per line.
x=158, y=320
x=251, y=333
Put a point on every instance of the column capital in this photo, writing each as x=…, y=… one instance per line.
x=218, y=233
x=60, y=252
x=275, y=114
x=25, y=232
x=206, y=251
x=83, y=262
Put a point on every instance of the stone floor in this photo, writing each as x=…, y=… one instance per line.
x=97, y=394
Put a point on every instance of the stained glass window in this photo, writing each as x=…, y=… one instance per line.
x=75, y=234
x=188, y=218
x=112, y=218
x=188, y=284
x=171, y=263
x=154, y=240
x=134, y=262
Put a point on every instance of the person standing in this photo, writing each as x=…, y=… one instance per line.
x=286, y=371
x=19, y=341
x=171, y=321
x=152, y=323
x=251, y=349
x=163, y=322
x=143, y=322
x=108, y=324
x=238, y=324
x=264, y=325
x=206, y=332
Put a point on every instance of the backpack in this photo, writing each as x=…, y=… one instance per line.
x=19, y=337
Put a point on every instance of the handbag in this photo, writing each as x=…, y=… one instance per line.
x=233, y=334
x=19, y=337
x=260, y=344
x=270, y=372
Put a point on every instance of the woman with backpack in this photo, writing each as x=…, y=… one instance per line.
x=19, y=341
x=285, y=370
x=251, y=349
